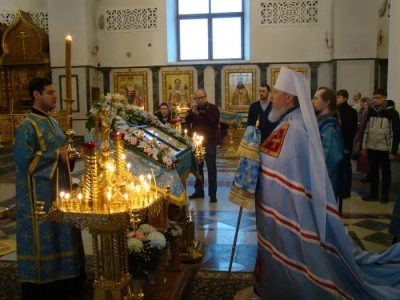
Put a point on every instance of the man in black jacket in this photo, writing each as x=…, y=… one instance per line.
x=348, y=126
x=381, y=141
x=259, y=110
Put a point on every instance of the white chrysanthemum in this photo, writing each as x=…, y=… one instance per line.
x=135, y=245
x=157, y=240
x=146, y=228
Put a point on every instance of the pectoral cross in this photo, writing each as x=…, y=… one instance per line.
x=22, y=36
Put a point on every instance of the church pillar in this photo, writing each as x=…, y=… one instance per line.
x=314, y=77
x=106, y=79
x=334, y=74
x=200, y=76
x=156, y=91
x=263, y=73
x=394, y=53
x=217, y=70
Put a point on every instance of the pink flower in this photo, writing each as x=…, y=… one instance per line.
x=162, y=146
x=134, y=140
x=155, y=156
x=130, y=234
x=140, y=235
x=147, y=149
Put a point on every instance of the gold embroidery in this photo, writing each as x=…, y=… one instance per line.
x=34, y=162
x=39, y=135
x=272, y=146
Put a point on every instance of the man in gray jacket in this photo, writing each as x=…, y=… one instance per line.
x=381, y=140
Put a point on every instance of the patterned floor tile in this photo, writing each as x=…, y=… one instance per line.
x=201, y=221
x=380, y=238
x=361, y=232
x=9, y=230
x=244, y=222
x=371, y=225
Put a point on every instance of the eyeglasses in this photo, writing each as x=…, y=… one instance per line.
x=377, y=97
x=200, y=98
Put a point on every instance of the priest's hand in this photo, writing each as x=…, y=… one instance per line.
x=364, y=152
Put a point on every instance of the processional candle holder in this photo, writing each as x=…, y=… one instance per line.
x=107, y=211
x=73, y=154
x=199, y=152
x=231, y=151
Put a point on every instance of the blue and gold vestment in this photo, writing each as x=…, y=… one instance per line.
x=46, y=251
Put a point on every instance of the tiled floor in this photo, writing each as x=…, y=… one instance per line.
x=216, y=222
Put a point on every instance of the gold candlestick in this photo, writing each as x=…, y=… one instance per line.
x=119, y=151
x=91, y=189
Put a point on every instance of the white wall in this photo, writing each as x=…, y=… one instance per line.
x=25, y=5
x=115, y=46
x=325, y=75
x=289, y=43
x=355, y=28
x=356, y=76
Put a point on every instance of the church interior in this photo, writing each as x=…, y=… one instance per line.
x=139, y=49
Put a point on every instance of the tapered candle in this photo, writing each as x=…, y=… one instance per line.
x=68, y=77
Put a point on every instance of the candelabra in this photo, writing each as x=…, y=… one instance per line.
x=199, y=152
x=107, y=206
x=231, y=151
x=73, y=154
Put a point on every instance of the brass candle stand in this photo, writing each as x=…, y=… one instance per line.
x=107, y=207
x=231, y=151
x=191, y=249
x=73, y=154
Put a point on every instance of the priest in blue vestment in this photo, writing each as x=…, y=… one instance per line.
x=50, y=260
x=304, y=251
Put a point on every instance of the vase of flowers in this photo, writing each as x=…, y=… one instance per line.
x=145, y=250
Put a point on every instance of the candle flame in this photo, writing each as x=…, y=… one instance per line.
x=68, y=38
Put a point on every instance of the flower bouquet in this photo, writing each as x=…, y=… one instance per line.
x=119, y=111
x=150, y=146
x=172, y=230
x=145, y=246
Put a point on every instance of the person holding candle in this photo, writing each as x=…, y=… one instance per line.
x=204, y=120
x=50, y=255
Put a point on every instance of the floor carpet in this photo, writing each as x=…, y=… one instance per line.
x=206, y=284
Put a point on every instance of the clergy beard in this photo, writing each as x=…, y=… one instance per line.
x=276, y=114
x=317, y=112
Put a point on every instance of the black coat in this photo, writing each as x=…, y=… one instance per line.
x=348, y=126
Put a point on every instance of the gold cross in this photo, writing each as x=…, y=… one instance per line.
x=22, y=37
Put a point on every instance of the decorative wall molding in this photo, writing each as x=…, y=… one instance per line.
x=131, y=19
x=41, y=18
x=289, y=13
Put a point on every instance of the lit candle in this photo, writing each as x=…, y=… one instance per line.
x=123, y=156
x=80, y=200
x=185, y=132
x=128, y=166
x=126, y=200
x=68, y=77
x=109, y=201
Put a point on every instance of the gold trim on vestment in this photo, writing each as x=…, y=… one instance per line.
x=34, y=162
x=47, y=257
x=47, y=281
x=248, y=151
x=39, y=135
x=242, y=198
